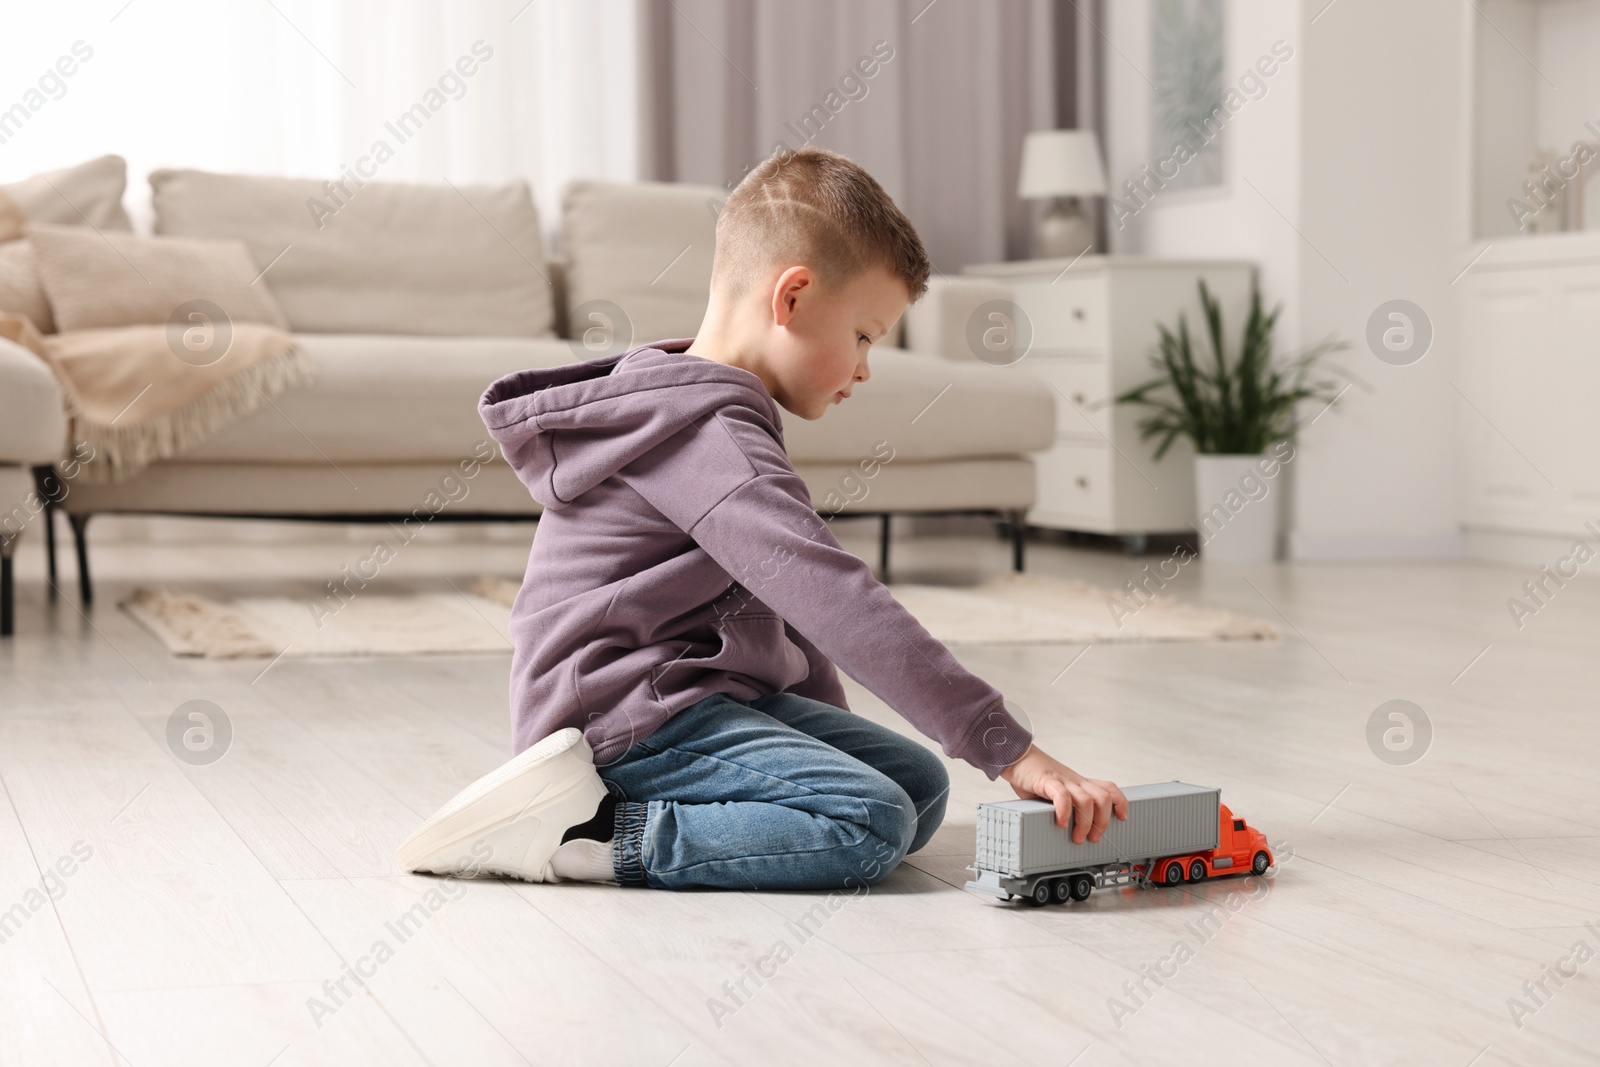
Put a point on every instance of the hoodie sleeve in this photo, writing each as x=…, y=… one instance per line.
x=823, y=681
x=726, y=481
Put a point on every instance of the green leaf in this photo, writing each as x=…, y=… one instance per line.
x=1244, y=405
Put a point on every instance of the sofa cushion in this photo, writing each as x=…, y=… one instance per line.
x=13, y=220
x=21, y=290
x=928, y=408
x=902, y=484
x=94, y=188
x=644, y=247
x=390, y=258
x=87, y=194
x=124, y=279
x=381, y=399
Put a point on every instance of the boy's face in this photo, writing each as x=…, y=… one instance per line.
x=819, y=341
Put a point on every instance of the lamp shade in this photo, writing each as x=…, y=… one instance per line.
x=1061, y=163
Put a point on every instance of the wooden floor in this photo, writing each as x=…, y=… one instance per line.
x=211, y=909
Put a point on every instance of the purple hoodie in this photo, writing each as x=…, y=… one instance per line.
x=679, y=555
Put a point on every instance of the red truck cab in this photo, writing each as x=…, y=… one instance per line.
x=1240, y=848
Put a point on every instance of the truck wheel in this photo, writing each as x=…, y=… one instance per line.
x=1081, y=886
x=1197, y=871
x=1260, y=864
x=1041, y=893
x=1061, y=890
x=1174, y=873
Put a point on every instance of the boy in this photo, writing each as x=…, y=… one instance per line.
x=676, y=710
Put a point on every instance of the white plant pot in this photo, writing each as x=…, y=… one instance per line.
x=1236, y=509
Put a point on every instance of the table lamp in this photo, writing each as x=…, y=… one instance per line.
x=1062, y=165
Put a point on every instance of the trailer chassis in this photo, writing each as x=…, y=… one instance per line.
x=1060, y=885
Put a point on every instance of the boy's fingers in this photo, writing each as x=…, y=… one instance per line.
x=1086, y=805
x=1056, y=793
x=1119, y=803
x=1102, y=816
x=1083, y=809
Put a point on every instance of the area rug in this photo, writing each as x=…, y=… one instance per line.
x=366, y=625
x=1035, y=609
x=1011, y=609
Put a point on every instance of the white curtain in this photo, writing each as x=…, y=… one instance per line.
x=305, y=87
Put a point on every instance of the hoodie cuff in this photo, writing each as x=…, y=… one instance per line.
x=995, y=741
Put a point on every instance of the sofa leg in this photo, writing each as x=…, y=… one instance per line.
x=47, y=482
x=8, y=586
x=50, y=546
x=80, y=535
x=883, y=548
x=1019, y=530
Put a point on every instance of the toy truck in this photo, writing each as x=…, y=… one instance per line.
x=1175, y=832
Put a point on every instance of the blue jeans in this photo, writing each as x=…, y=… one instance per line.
x=780, y=792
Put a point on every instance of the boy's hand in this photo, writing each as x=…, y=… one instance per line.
x=1094, y=799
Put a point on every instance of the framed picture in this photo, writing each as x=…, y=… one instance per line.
x=1187, y=118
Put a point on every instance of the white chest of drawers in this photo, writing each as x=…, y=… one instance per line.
x=1093, y=323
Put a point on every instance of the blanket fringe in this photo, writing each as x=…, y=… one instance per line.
x=120, y=452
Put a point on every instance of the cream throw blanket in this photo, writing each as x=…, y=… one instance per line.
x=133, y=401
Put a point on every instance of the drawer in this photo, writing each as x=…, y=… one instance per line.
x=1077, y=386
x=1068, y=315
x=1075, y=479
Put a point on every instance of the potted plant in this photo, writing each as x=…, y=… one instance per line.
x=1241, y=415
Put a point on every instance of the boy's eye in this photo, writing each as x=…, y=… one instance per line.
x=864, y=337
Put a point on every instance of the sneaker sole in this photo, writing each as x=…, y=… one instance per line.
x=552, y=783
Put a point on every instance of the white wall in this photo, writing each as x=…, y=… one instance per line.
x=1385, y=113
x=1263, y=147
x=1345, y=186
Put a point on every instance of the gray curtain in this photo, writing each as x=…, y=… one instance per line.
x=940, y=123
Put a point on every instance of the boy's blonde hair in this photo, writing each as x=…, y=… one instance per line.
x=819, y=208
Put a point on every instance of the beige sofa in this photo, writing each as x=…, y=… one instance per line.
x=412, y=299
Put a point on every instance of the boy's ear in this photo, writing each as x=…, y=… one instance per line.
x=794, y=284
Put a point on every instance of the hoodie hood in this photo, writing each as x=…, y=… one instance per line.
x=566, y=429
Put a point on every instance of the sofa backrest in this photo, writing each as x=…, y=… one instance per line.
x=950, y=319
x=642, y=249
x=384, y=258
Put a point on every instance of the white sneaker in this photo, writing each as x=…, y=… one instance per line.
x=510, y=821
